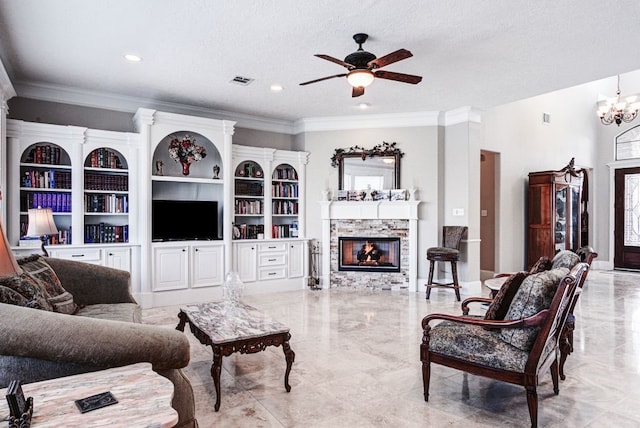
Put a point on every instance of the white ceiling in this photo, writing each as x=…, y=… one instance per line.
x=478, y=53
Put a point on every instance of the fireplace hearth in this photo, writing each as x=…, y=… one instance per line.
x=369, y=254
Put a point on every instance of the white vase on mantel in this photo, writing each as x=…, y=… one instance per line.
x=412, y=193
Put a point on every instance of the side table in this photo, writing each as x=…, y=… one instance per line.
x=495, y=284
x=144, y=399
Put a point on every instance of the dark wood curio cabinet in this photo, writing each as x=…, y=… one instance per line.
x=554, y=212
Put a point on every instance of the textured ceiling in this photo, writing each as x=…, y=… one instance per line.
x=469, y=52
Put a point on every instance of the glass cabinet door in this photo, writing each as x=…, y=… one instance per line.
x=574, y=236
x=561, y=218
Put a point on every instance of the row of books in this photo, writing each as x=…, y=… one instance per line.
x=105, y=234
x=249, y=206
x=93, y=181
x=105, y=203
x=61, y=238
x=248, y=231
x=285, y=207
x=284, y=190
x=44, y=154
x=284, y=230
x=58, y=202
x=285, y=174
x=105, y=158
x=50, y=179
x=246, y=188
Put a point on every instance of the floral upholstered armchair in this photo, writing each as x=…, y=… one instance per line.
x=518, y=348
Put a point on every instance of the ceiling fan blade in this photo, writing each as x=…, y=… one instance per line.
x=335, y=60
x=396, y=56
x=323, y=78
x=400, y=77
x=357, y=91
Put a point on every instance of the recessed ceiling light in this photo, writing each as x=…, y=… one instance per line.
x=276, y=87
x=132, y=58
x=364, y=106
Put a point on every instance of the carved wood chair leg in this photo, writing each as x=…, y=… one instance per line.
x=532, y=403
x=566, y=342
x=426, y=376
x=454, y=273
x=431, y=269
x=554, y=377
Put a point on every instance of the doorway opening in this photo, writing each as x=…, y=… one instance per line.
x=489, y=209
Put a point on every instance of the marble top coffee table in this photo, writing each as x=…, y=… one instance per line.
x=235, y=328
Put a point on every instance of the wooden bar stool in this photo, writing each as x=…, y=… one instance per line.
x=448, y=252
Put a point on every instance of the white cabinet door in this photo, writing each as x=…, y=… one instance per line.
x=296, y=259
x=118, y=258
x=245, y=260
x=170, y=267
x=207, y=263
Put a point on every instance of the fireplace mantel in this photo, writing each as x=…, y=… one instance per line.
x=369, y=210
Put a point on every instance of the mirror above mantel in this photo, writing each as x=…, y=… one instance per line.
x=376, y=168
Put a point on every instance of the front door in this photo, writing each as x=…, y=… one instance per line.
x=627, y=219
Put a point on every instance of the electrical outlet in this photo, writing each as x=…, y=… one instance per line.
x=458, y=211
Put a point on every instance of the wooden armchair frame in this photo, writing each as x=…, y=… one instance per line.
x=551, y=322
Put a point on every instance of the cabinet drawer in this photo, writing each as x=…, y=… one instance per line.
x=265, y=247
x=273, y=273
x=91, y=255
x=271, y=260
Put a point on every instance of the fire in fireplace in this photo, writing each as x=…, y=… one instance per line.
x=369, y=254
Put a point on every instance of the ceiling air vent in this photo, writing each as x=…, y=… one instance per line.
x=243, y=81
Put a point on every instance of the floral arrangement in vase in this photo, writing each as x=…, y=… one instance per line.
x=186, y=151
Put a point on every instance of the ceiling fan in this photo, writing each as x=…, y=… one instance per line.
x=364, y=66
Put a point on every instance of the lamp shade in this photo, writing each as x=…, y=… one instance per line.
x=8, y=263
x=360, y=78
x=41, y=222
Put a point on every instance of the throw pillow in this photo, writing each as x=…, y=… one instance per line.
x=501, y=302
x=29, y=288
x=543, y=263
x=63, y=303
x=12, y=297
x=565, y=258
x=534, y=295
x=37, y=266
x=59, y=299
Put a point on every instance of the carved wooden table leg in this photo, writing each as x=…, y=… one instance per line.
x=289, y=356
x=216, y=369
x=182, y=317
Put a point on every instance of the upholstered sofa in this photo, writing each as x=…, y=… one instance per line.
x=85, y=320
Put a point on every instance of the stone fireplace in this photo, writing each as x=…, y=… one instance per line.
x=390, y=225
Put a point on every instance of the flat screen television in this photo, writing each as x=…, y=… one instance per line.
x=184, y=220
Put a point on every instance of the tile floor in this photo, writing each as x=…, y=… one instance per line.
x=357, y=365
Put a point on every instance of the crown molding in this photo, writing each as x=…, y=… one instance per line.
x=6, y=87
x=129, y=104
x=462, y=115
x=396, y=120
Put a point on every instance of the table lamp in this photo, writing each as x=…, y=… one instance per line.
x=41, y=224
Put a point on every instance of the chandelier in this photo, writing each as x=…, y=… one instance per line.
x=619, y=109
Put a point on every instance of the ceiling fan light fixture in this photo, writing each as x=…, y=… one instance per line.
x=360, y=78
